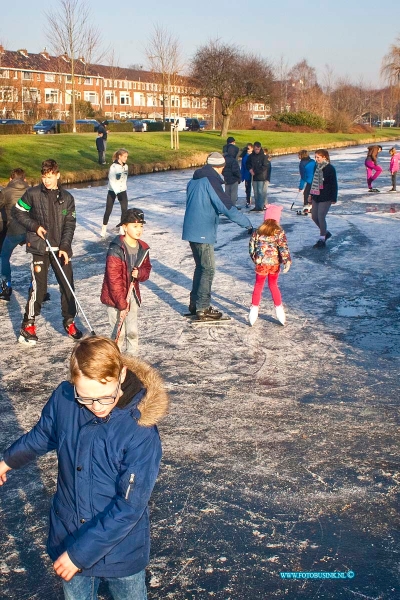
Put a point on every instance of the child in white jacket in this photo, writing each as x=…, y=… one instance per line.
x=117, y=184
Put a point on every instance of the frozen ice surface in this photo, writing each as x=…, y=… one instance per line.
x=281, y=449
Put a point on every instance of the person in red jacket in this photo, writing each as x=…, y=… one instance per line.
x=127, y=262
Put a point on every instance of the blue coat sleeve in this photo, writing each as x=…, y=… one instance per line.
x=40, y=439
x=232, y=212
x=141, y=463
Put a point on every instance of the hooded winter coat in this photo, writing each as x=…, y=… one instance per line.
x=231, y=171
x=106, y=473
x=117, y=277
x=205, y=200
x=306, y=168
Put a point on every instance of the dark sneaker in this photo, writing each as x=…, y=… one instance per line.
x=6, y=291
x=256, y=210
x=319, y=244
x=192, y=309
x=209, y=314
x=374, y=190
x=73, y=331
x=28, y=334
x=328, y=235
x=248, y=204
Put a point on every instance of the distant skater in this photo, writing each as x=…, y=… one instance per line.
x=306, y=169
x=373, y=169
x=324, y=190
x=394, y=166
x=117, y=185
x=101, y=148
x=268, y=249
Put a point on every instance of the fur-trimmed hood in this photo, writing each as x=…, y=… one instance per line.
x=154, y=405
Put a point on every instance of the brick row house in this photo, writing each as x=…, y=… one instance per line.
x=34, y=86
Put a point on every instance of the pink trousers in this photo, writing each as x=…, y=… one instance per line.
x=273, y=288
x=371, y=166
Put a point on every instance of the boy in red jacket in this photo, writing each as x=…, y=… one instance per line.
x=127, y=262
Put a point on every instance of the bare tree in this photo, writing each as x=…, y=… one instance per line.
x=281, y=73
x=71, y=33
x=390, y=69
x=164, y=57
x=114, y=72
x=222, y=71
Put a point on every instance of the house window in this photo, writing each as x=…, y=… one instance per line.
x=4, y=73
x=49, y=77
x=88, y=81
x=124, y=98
x=38, y=77
x=30, y=95
x=91, y=97
x=51, y=96
x=109, y=97
x=134, y=85
x=68, y=78
x=8, y=94
x=142, y=102
x=27, y=75
x=185, y=103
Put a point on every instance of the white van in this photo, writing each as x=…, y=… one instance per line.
x=180, y=121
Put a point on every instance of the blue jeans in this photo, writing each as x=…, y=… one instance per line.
x=203, y=255
x=9, y=245
x=121, y=588
x=260, y=194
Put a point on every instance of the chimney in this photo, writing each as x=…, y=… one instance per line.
x=23, y=51
x=1, y=49
x=82, y=60
x=65, y=57
x=45, y=54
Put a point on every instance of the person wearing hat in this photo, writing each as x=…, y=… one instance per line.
x=127, y=263
x=259, y=167
x=205, y=200
x=230, y=147
x=268, y=249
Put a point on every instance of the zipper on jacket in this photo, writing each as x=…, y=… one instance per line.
x=131, y=481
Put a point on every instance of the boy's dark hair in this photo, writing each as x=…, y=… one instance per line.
x=96, y=358
x=17, y=174
x=49, y=166
x=257, y=145
x=324, y=153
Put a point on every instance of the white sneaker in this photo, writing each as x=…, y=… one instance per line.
x=280, y=314
x=121, y=231
x=103, y=231
x=253, y=315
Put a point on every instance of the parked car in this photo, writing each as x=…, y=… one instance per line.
x=192, y=125
x=177, y=121
x=111, y=120
x=88, y=122
x=138, y=124
x=11, y=122
x=48, y=126
x=203, y=124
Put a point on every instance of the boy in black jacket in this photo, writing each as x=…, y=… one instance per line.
x=101, y=148
x=47, y=210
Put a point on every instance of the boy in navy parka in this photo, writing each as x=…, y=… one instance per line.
x=103, y=425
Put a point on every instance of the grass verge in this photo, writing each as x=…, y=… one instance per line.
x=149, y=152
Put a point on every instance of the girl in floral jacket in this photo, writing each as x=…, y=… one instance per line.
x=268, y=248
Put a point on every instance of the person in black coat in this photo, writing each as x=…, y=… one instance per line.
x=260, y=169
x=231, y=174
x=324, y=191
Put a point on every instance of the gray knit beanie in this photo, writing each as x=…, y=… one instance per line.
x=215, y=159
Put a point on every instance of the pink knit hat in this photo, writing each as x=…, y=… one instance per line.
x=273, y=211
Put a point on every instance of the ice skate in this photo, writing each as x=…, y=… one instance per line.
x=103, y=231
x=253, y=315
x=280, y=314
x=28, y=335
x=6, y=291
x=208, y=314
x=73, y=331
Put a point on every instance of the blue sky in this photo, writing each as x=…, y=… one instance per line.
x=350, y=36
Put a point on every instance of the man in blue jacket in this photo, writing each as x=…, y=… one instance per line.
x=205, y=200
x=103, y=426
